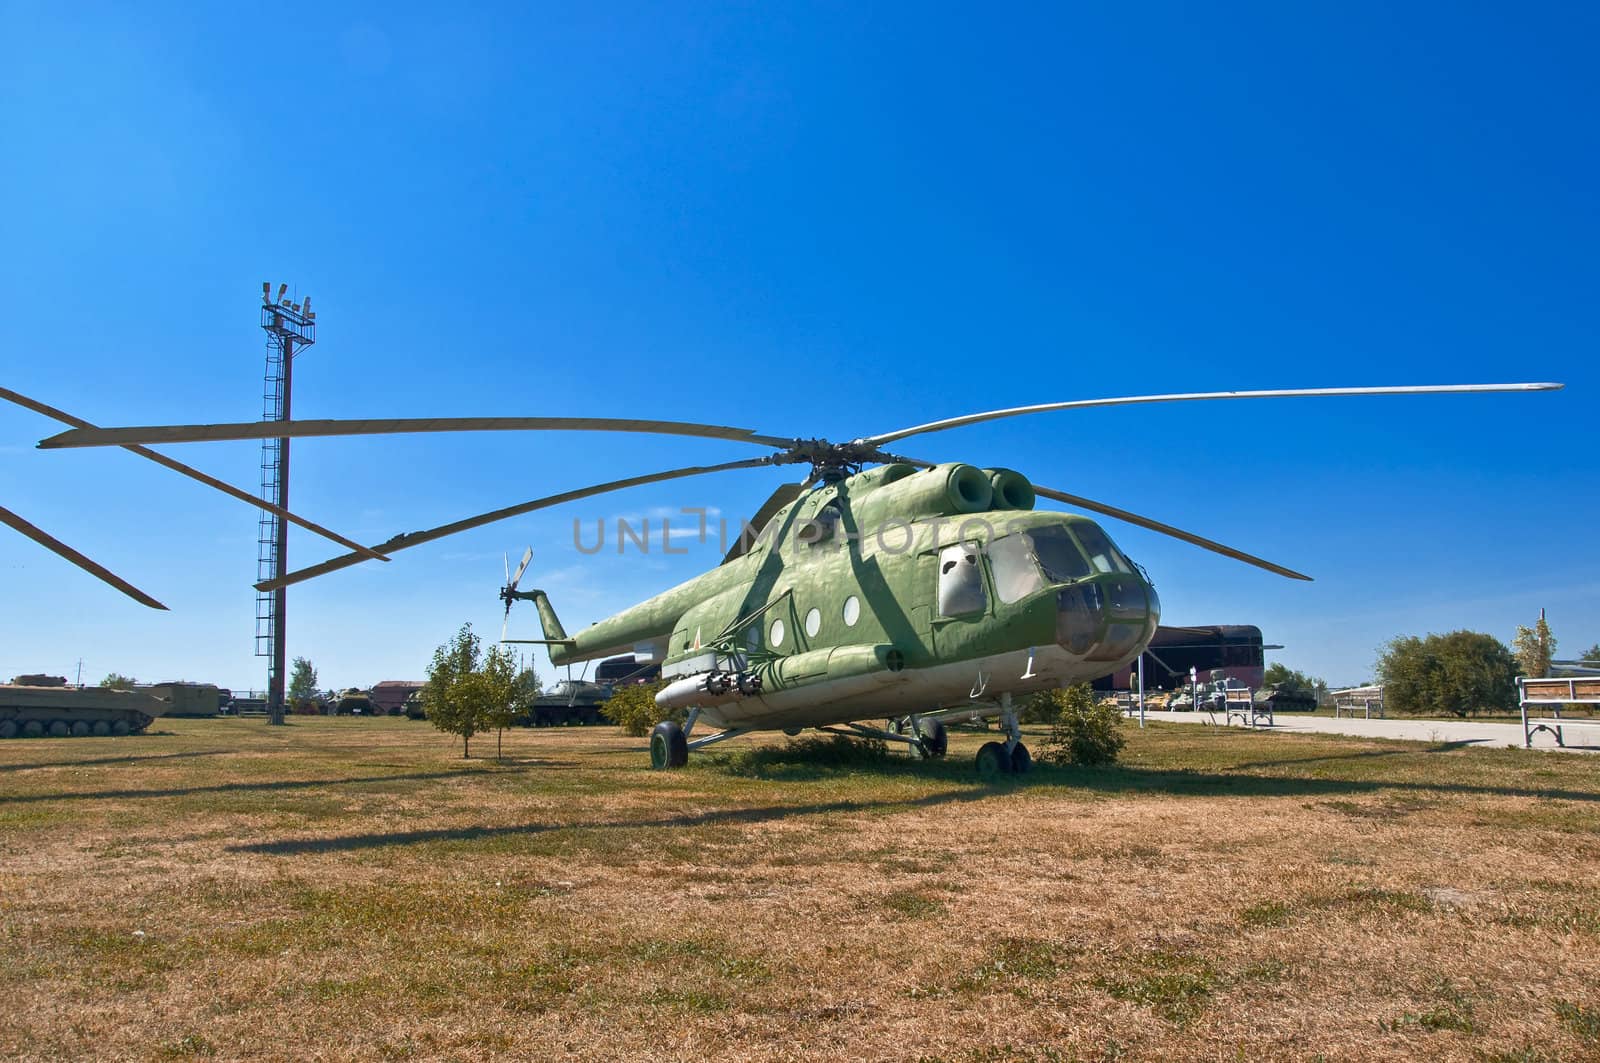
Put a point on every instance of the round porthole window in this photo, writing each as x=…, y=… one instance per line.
x=777, y=633
x=852, y=611
x=813, y=623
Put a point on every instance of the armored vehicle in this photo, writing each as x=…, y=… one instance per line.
x=571, y=702
x=60, y=712
x=187, y=699
x=353, y=702
x=1286, y=698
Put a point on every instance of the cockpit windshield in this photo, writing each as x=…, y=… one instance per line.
x=1058, y=555
x=1027, y=561
x=1102, y=554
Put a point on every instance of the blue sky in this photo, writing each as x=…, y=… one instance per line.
x=817, y=220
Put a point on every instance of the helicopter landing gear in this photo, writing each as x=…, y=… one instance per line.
x=992, y=760
x=669, y=746
x=1020, y=760
x=925, y=739
x=1010, y=757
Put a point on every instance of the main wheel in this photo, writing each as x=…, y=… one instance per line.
x=119, y=728
x=669, y=747
x=80, y=729
x=935, y=739
x=8, y=728
x=992, y=760
x=32, y=729
x=1021, y=759
x=58, y=728
x=100, y=729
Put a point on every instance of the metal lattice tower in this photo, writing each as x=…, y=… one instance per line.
x=290, y=327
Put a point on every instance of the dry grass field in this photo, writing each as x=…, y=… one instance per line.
x=349, y=889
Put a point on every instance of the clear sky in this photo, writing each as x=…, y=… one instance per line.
x=807, y=220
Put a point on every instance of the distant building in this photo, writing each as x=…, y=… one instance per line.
x=389, y=696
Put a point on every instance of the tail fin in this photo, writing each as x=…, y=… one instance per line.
x=554, y=633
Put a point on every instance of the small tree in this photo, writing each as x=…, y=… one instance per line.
x=1083, y=730
x=302, y=684
x=450, y=698
x=118, y=681
x=499, y=690
x=1592, y=654
x=1534, y=647
x=633, y=708
x=1457, y=674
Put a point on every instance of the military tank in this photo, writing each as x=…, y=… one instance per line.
x=75, y=712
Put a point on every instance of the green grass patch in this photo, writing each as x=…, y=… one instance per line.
x=914, y=904
x=1265, y=914
x=1584, y=1023
x=1175, y=986
x=1014, y=961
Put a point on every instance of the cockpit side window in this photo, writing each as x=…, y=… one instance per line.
x=961, y=580
x=1102, y=554
x=1059, y=555
x=1016, y=574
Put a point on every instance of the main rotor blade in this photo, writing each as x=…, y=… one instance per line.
x=193, y=474
x=409, y=539
x=56, y=546
x=522, y=566
x=1132, y=400
x=202, y=433
x=785, y=494
x=1167, y=529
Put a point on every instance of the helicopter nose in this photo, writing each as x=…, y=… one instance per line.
x=1107, y=618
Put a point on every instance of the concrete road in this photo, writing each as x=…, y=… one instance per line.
x=1584, y=739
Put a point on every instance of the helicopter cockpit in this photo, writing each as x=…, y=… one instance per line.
x=1104, y=605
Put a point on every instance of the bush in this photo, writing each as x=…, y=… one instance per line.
x=1458, y=674
x=1082, y=731
x=634, y=709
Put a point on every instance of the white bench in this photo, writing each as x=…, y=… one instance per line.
x=1553, y=694
x=1241, y=702
x=1358, y=699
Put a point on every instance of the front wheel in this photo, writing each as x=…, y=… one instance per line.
x=669, y=747
x=935, y=739
x=992, y=760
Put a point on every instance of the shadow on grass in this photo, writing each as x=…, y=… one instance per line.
x=281, y=784
x=131, y=758
x=716, y=817
x=781, y=764
x=1442, y=747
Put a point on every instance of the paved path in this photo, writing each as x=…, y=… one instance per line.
x=1488, y=735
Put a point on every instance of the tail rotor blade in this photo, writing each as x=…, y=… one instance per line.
x=522, y=566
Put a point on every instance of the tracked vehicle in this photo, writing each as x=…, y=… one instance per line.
x=76, y=712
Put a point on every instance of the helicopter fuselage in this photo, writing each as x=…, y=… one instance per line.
x=883, y=594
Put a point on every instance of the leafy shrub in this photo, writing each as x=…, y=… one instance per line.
x=1082, y=731
x=634, y=709
x=1461, y=673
